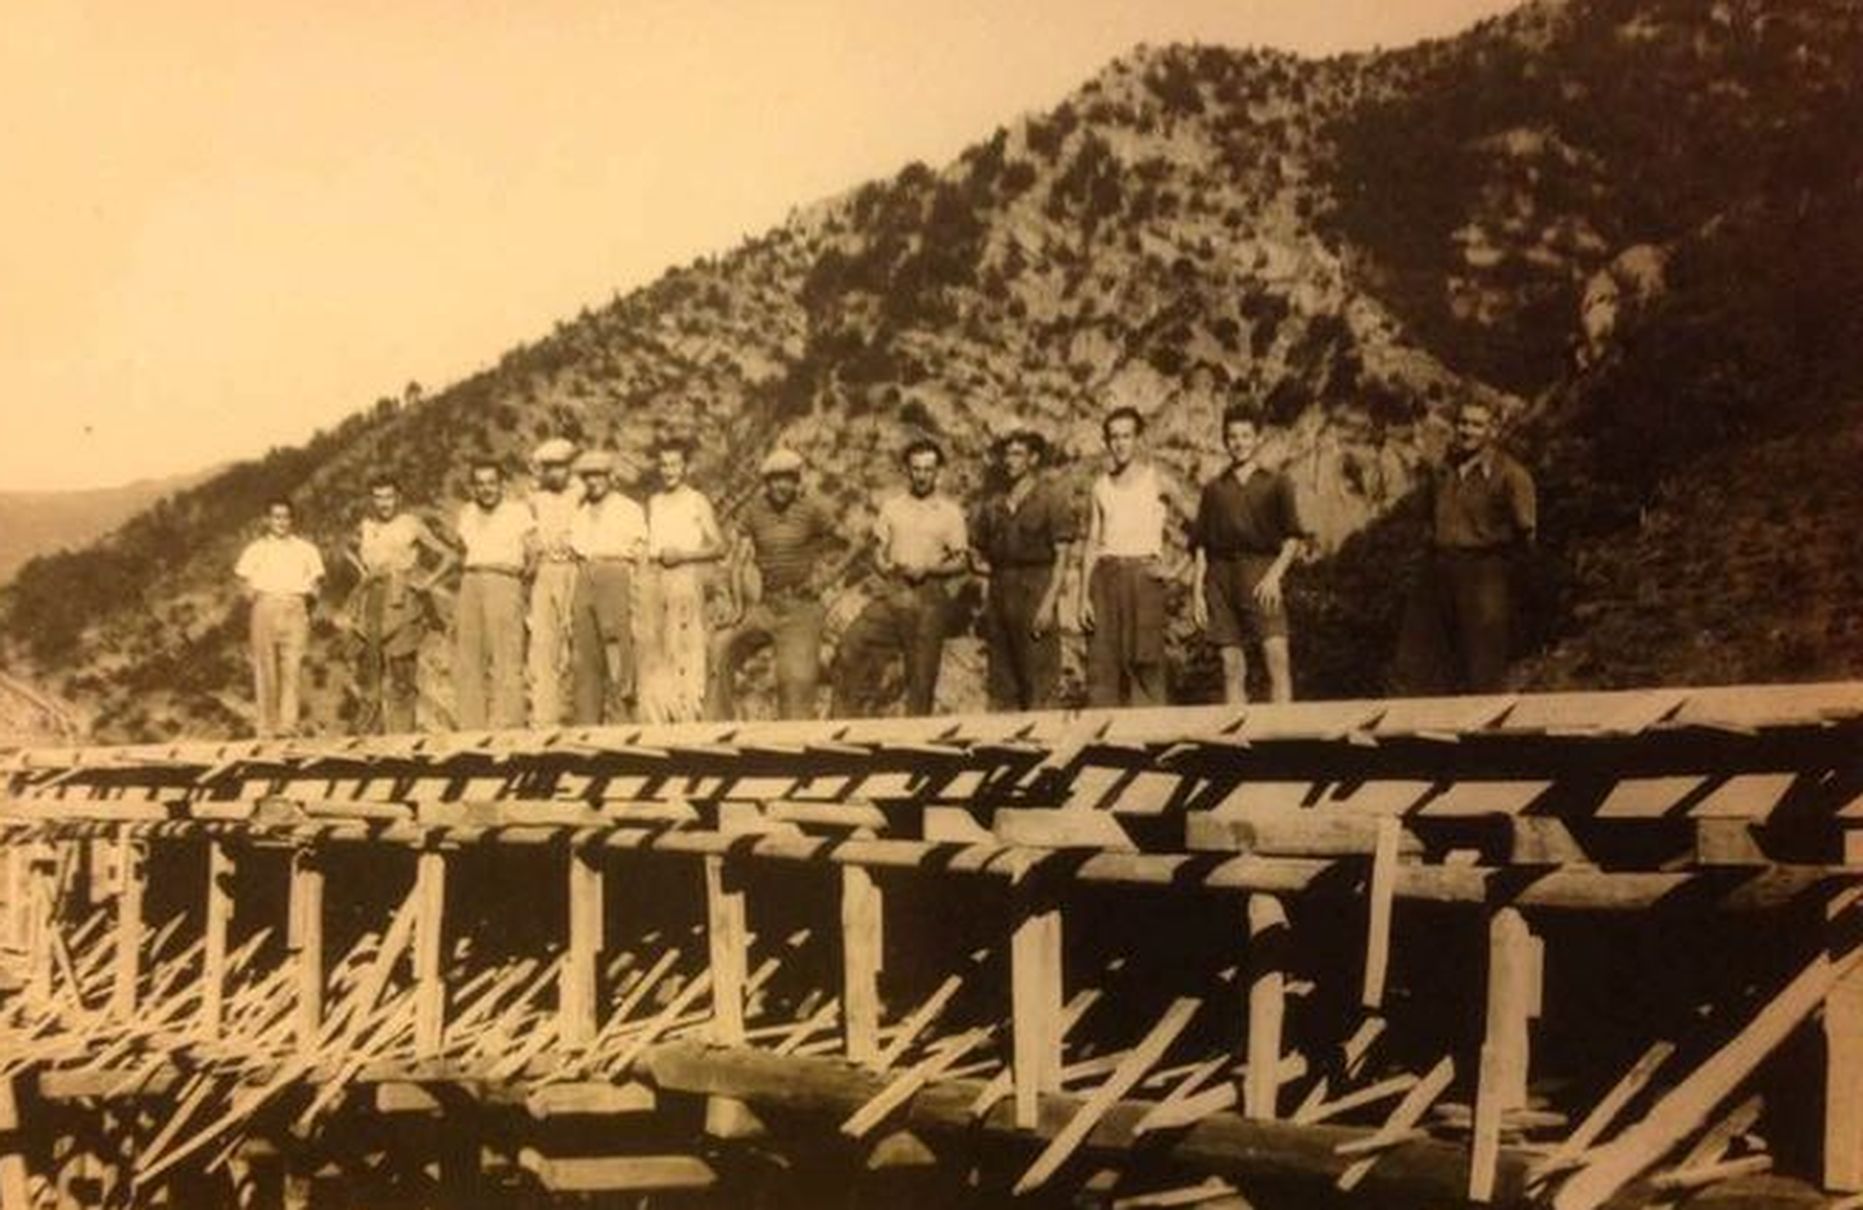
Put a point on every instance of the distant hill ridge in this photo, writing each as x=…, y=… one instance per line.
x=1634, y=224
x=37, y=523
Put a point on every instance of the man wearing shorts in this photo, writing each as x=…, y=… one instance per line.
x=1246, y=535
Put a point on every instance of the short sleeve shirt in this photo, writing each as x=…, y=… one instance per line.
x=287, y=566
x=392, y=545
x=1028, y=534
x=496, y=538
x=917, y=532
x=1255, y=516
x=1486, y=502
x=787, y=541
x=614, y=527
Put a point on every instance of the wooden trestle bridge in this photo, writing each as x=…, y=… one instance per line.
x=1572, y=950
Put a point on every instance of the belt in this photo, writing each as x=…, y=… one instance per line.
x=283, y=596
x=487, y=569
x=567, y=557
x=1128, y=558
x=1022, y=564
x=1236, y=556
x=606, y=559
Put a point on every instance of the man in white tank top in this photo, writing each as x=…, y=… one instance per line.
x=1123, y=570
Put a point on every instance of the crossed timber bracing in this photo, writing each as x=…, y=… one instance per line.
x=1386, y=948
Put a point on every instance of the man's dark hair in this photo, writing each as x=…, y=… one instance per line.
x=681, y=444
x=1242, y=410
x=1030, y=440
x=281, y=502
x=377, y=482
x=920, y=446
x=1122, y=413
x=487, y=464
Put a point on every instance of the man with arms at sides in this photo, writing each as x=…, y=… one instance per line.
x=280, y=572
x=920, y=543
x=609, y=536
x=1123, y=573
x=1482, y=511
x=390, y=607
x=778, y=582
x=1024, y=536
x=1246, y=535
x=553, y=508
x=682, y=539
x=488, y=661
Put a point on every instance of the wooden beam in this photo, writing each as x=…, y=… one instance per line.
x=728, y=938
x=1684, y=1109
x=863, y=949
x=15, y=1191
x=1502, y=1083
x=429, y=950
x=618, y=1173
x=218, y=920
x=1406, y=1115
x=131, y=875
x=1380, y=900
x=304, y=937
x=1268, y=947
x=578, y=984
x=1843, y=1041
x=1037, y=990
x=1606, y=1111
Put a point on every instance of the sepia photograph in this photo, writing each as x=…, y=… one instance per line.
x=1083, y=605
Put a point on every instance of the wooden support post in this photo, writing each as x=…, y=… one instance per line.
x=863, y=948
x=429, y=940
x=1513, y=992
x=1843, y=1040
x=41, y=919
x=579, y=985
x=1267, y=1004
x=1380, y=897
x=305, y=938
x=130, y=874
x=728, y=934
x=218, y=919
x=1037, y=987
x=18, y=896
x=15, y=1190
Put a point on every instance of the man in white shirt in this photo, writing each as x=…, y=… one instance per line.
x=552, y=593
x=488, y=661
x=390, y=608
x=609, y=537
x=1123, y=573
x=921, y=542
x=280, y=572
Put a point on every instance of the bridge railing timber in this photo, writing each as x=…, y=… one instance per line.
x=1556, y=948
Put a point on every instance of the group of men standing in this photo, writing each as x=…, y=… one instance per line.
x=581, y=583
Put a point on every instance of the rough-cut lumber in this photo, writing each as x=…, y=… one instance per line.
x=218, y=919
x=618, y=1173
x=1268, y=946
x=728, y=939
x=1843, y=1041
x=429, y=947
x=1502, y=1085
x=1222, y=1143
x=1688, y=1104
x=1605, y=1113
x=1406, y=1115
x=1139, y=1060
x=863, y=948
x=1380, y=899
x=304, y=937
x=131, y=884
x=577, y=986
x=1037, y=990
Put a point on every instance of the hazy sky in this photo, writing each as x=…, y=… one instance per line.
x=225, y=225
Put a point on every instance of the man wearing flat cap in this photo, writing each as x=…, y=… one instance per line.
x=552, y=592
x=777, y=574
x=609, y=537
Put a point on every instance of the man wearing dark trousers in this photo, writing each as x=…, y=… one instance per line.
x=1482, y=512
x=1023, y=537
x=920, y=543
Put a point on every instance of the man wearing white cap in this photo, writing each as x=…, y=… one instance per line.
x=553, y=508
x=777, y=575
x=609, y=536
x=280, y=572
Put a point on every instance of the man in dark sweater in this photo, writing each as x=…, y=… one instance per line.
x=1247, y=533
x=1022, y=536
x=1481, y=511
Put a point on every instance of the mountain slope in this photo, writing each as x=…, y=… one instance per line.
x=1594, y=213
x=37, y=523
